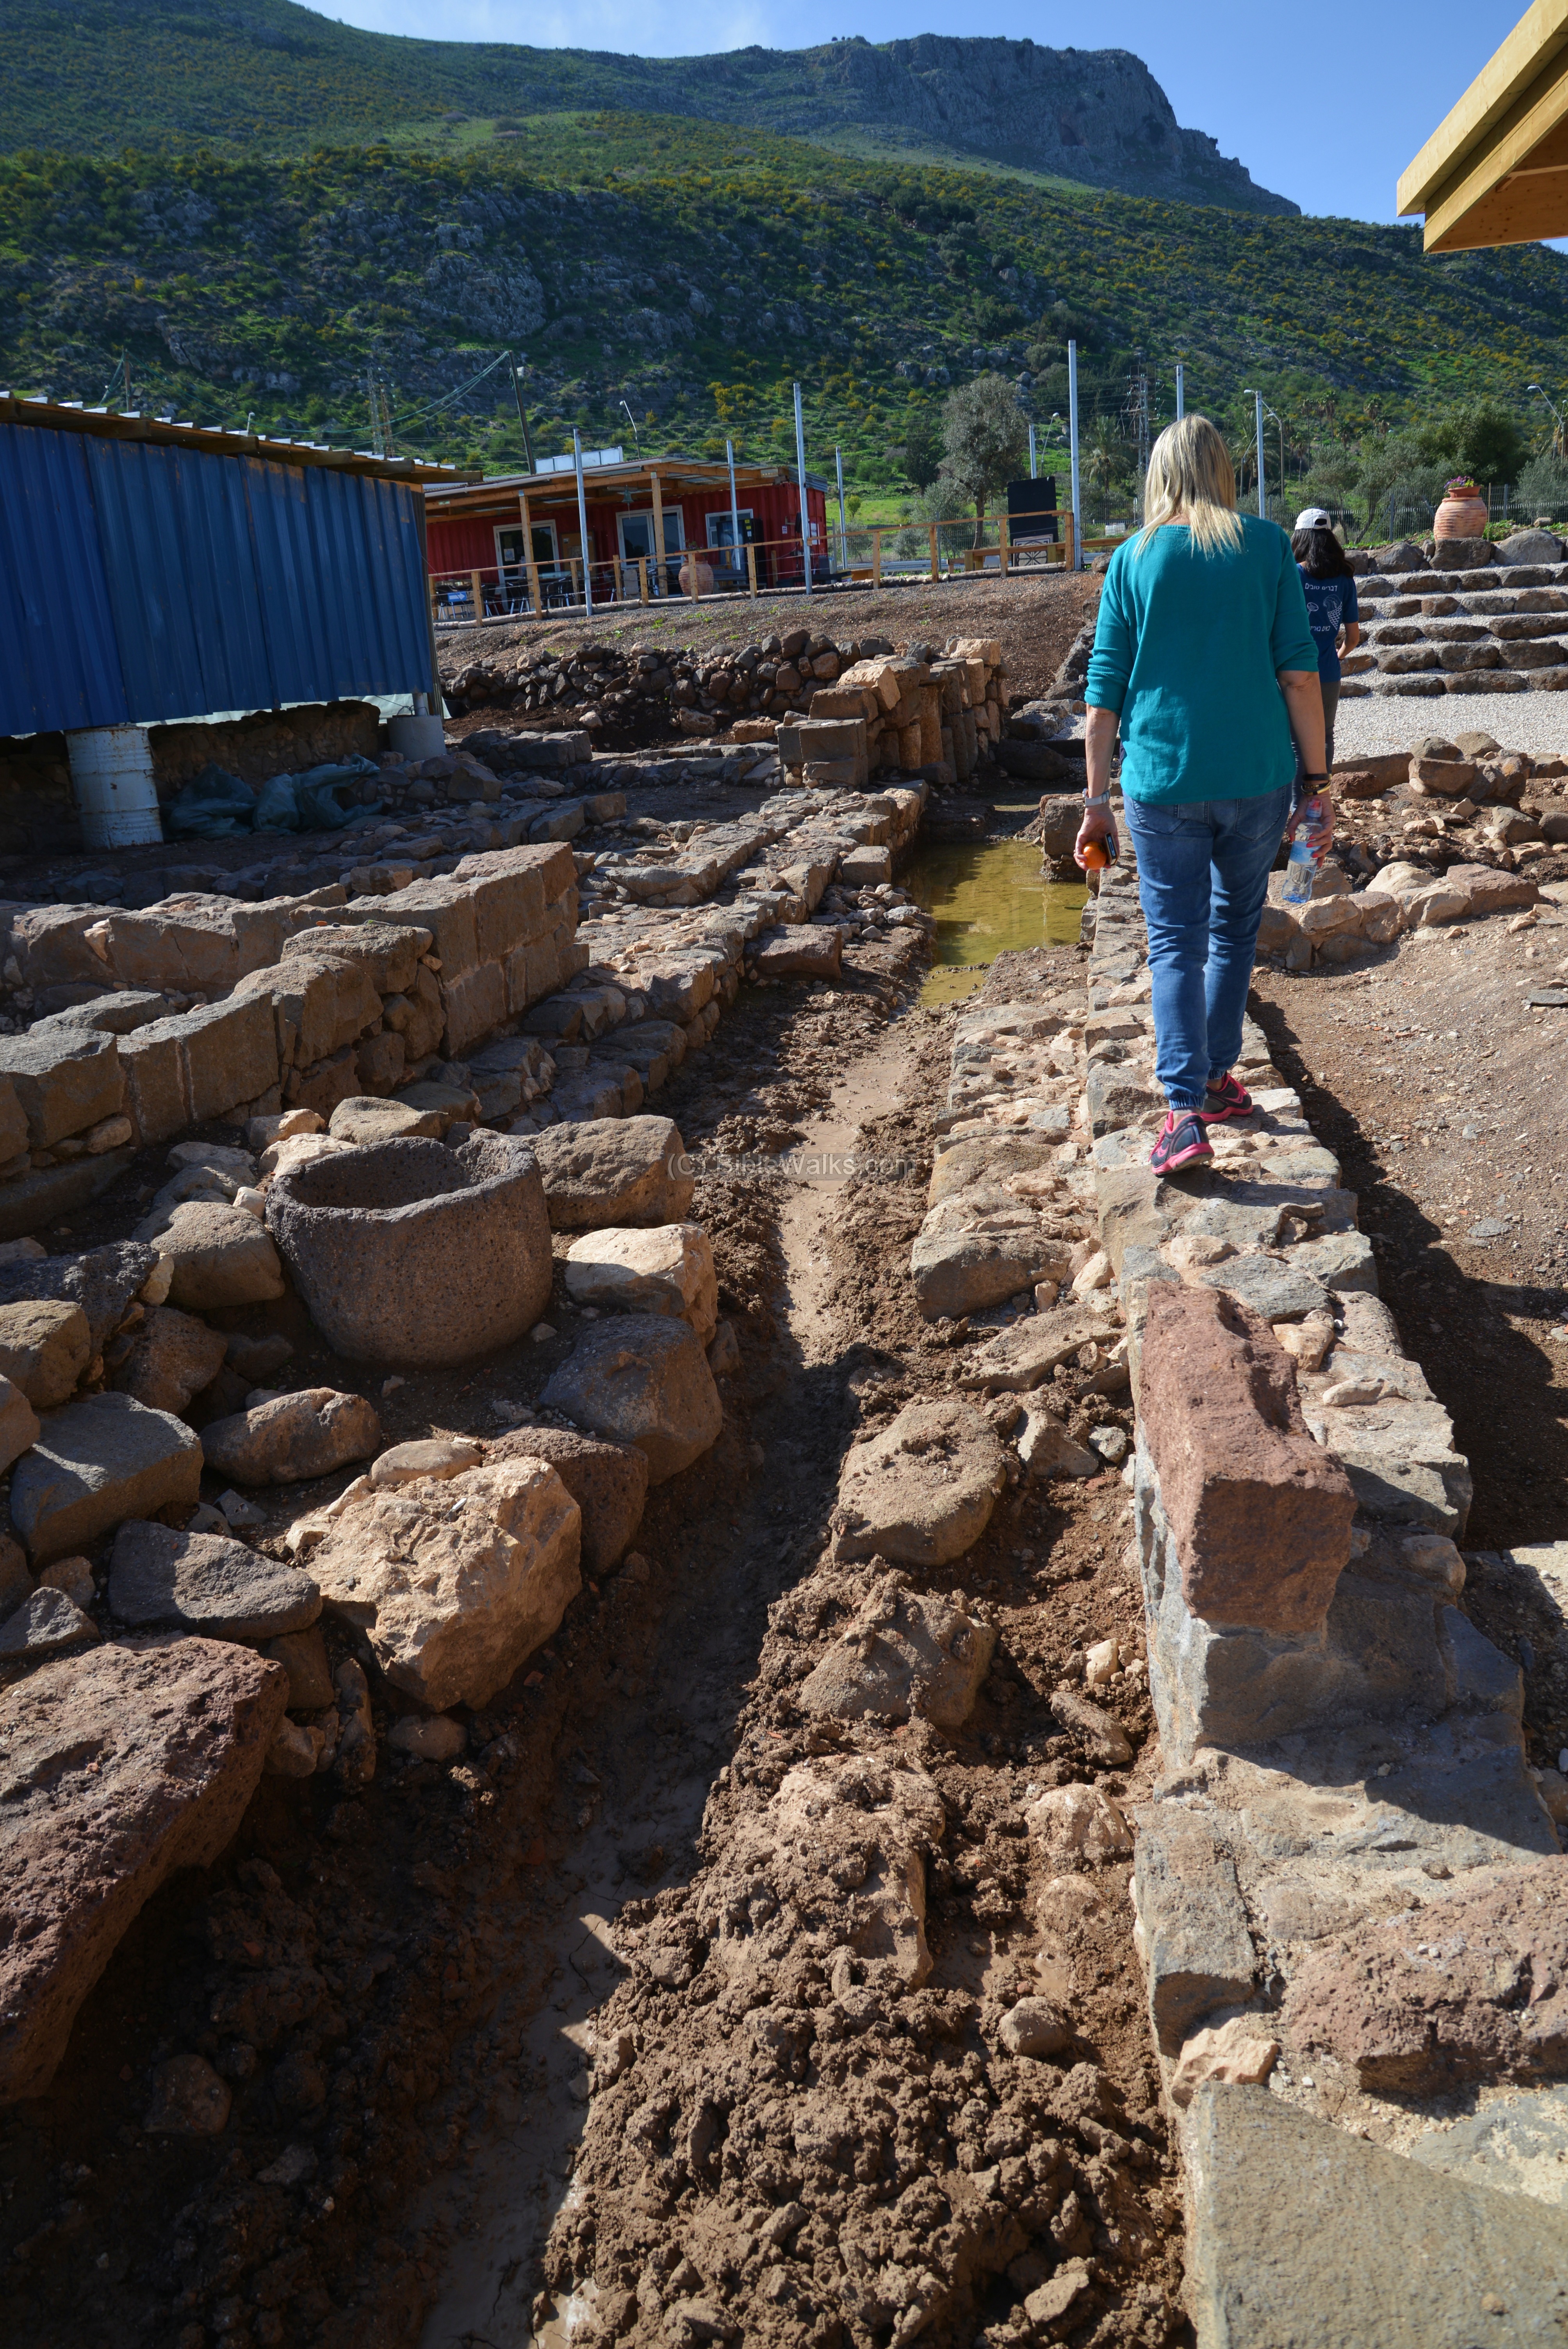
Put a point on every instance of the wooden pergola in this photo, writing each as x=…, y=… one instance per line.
x=1495, y=170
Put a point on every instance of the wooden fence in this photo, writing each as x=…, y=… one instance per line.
x=872, y=554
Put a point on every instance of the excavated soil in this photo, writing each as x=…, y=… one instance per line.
x=1442, y=1094
x=1037, y=615
x=400, y=1986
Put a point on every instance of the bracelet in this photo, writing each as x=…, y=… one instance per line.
x=1097, y=799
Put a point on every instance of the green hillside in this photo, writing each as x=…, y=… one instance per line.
x=693, y=271
x=277, y=78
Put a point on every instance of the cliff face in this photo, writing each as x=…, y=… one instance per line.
x=276, y=75
x=1096, y=115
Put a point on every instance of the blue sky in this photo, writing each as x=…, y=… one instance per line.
x=1326, y=105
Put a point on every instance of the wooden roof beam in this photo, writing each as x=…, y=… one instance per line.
x=1495, y=172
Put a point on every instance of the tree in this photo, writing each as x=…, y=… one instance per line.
x=985, y=438
x=921, y=448
x=1480, y=438
x=1543, y=485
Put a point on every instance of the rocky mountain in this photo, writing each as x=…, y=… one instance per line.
x=271, y=75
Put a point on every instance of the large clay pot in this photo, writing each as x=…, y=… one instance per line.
x=1462, y=514
x=704, y=577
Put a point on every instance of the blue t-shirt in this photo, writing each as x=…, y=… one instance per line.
x=1330, y=606
x=1187, y=648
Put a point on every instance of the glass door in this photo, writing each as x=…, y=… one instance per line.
x=636, y=536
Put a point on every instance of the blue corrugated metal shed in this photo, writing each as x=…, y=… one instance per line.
x=153, y=578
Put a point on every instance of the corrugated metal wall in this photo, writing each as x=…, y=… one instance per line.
x=146, y=583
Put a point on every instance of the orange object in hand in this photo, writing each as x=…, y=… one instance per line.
x=1096, y=855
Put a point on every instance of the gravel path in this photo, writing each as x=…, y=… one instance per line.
x=1536, y=722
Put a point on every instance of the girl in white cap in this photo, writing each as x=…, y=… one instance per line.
x=1331, y=609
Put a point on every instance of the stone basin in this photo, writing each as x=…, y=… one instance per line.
x=408, y=1252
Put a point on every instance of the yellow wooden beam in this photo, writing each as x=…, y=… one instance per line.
x=1489, y=174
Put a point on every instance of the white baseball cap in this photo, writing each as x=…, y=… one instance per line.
x=1314, y=518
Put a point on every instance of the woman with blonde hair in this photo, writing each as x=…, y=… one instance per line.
x=1203, y=654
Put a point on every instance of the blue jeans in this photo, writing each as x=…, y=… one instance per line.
x=1203, y=877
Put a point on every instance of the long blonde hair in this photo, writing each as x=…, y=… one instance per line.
x=1191, y=474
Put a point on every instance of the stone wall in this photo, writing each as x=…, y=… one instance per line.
x=299, y=1003
x=1347, y=1867
x=923, y=714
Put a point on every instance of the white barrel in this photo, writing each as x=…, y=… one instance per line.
x=416, y=738
x=111, y=776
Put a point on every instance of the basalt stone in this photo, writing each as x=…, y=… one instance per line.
x=1471, y=1988
x=202, y=1584
x=1304, y=2236
x=96, y=1462
x=1197, y=1951
x=642, y=1379
x=103, y=1281
x=409, y=1252
x=1259, y=1513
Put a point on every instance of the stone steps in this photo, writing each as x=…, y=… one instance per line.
x=1483, y=629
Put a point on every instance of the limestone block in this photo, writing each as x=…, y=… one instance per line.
x=45, y=1346
x=221, y=1255
x=667, y=1270
x=1260, y=1517
x=389, y=952
x=891, y=1815
x=455, y=1581
x=62, y=1085
x=155, y=1080
x=613, y=1171
x=229, y=1054
x=1077, y=1827
x=445, y=908
x=293, y=1438
x=474, y=1002
x=177, y=1736
x=922, y=1490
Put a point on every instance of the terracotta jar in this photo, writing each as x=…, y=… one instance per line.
x=1462, y=514
x=704, y=575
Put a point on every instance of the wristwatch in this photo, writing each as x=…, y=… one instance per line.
x=1314, y=779
x=1097, y=798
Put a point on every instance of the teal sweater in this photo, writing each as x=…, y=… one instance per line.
x=1186, y=650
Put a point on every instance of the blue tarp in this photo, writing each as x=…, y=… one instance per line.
x=140, y=581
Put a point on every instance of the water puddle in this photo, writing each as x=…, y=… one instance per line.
x=988, y=897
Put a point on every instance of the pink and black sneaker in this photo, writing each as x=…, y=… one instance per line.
x=1183, y=1142
x=1229, y=1098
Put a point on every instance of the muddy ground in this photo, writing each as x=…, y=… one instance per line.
x=396, y=1984
x=1036, y=615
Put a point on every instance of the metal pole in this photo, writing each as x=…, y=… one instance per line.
x=1181, y=391
x=1073, y=438
x=582, y=523
x=800, y=469
x=1263, y=492
x=843, y=525
x=734, y=509
x=1032, y=473
x=517, y=374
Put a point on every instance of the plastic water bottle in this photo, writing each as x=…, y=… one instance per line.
x=1302, y=866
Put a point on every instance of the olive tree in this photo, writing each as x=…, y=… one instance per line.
x=984, y=438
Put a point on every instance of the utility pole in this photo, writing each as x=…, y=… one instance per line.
x=1258, y=424
x=1073, y=448
x=843, y=525
x=582, y=525
x=378, y=438
x=1032, y=473
x=801, y=473
x=1181, y=391
x=1138, y=402
x=517, y=374
x=734, y=509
